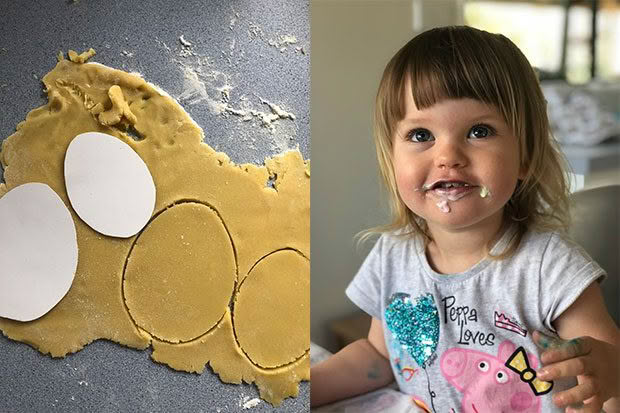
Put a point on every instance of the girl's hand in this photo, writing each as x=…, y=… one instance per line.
x=595, y=363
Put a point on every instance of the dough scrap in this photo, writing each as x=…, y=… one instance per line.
x=119, y=109
x=255, y=221
x=81, y=58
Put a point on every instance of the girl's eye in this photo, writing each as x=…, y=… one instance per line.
x=480, y=131
x=483, y=366
x=420, y=135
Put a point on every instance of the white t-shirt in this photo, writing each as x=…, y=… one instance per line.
x=462, y=342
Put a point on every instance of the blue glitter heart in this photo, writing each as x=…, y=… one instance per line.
x=415, y=324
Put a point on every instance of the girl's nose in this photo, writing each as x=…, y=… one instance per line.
x=450, y=155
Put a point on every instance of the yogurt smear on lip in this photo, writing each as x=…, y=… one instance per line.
x=452, y=192
x=443, y=195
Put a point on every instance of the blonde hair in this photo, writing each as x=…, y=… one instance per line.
x=463, y=62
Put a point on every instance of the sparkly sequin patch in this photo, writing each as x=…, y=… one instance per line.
x=415, y=324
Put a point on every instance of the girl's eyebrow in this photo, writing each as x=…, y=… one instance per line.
x=423, y=120
x=487, y=117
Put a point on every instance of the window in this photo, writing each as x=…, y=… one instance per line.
x=537, y=28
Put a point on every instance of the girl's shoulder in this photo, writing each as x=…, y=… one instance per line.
x=554, y=252
x=400, y=239
x=550, y=243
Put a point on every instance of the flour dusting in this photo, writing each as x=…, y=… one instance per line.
x=233, y=20
x=184, y=42
x=282, y=42
x=213, y=83
x=246, y=402
x=204, y=83
x=251, y=403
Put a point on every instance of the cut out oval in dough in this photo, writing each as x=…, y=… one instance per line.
x=109, y=185
x=274, y=329
x=180, y=274
x=38, y=251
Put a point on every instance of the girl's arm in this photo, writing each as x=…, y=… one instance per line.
x=592, y=354
x=358, y=368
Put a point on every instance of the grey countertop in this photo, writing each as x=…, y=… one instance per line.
x=259, y=51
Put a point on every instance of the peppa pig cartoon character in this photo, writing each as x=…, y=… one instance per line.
x=503, y=383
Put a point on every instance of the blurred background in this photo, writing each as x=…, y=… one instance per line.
x=575, y=45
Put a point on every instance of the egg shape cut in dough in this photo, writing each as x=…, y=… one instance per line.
x=38, y=251
x=109, y=185
x=285, y=337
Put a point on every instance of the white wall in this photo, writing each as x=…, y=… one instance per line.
x=352, y=41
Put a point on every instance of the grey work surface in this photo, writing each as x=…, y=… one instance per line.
x=234, y=43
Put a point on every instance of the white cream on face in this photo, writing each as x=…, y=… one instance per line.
x=442, y=197
x=484, y=192
x=443, y=205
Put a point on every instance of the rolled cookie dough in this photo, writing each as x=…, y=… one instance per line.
x=214, y=222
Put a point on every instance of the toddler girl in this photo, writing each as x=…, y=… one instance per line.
x=475, y=264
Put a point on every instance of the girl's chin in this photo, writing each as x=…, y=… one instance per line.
x=461, y=218
x=449, y=210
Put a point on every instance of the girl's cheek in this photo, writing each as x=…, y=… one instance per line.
x=403, y=189
x=403, y=181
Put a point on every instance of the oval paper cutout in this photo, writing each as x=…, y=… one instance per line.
x=109, y=185
x=38, y=251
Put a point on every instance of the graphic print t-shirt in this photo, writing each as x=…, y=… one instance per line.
x=462, y=342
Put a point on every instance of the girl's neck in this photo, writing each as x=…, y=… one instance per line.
x=452, y=252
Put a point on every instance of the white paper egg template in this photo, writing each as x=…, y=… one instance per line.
x=38, y=251
x=109, y=185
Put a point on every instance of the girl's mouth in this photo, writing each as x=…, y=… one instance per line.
x=444, y=184
x=446, y=191
x=452, y=191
